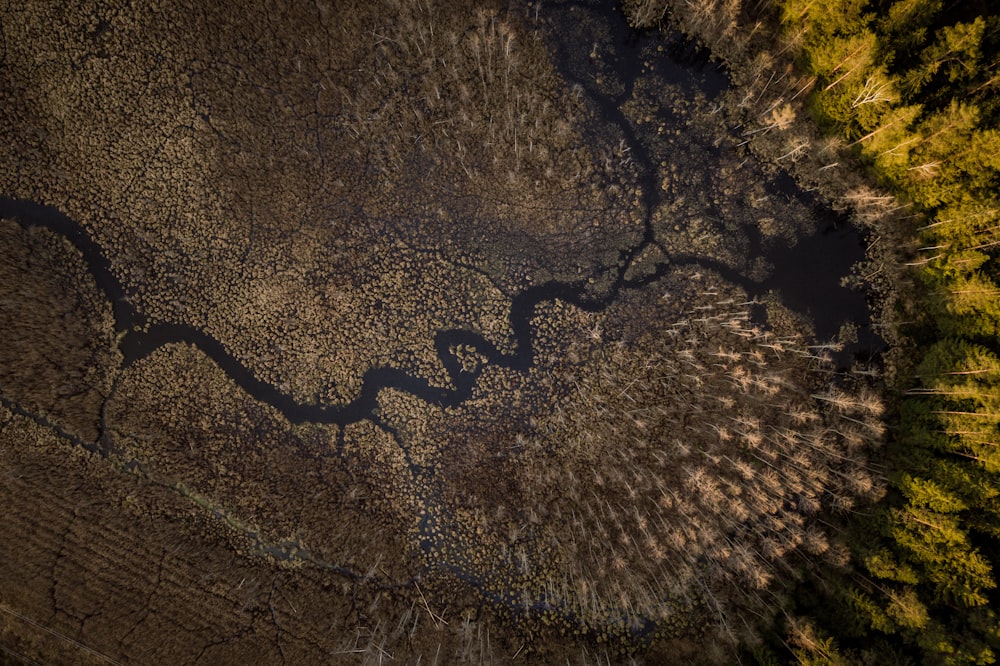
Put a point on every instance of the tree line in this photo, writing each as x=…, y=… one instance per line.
x=911, y=86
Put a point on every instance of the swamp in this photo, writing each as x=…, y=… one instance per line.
x=342, y=332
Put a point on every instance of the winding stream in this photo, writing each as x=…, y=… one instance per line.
x=138, y=343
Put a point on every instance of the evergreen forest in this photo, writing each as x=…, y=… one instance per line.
x=909, y=89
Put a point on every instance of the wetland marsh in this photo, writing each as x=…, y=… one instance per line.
x=410, y=330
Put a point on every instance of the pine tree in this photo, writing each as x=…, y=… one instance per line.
x=955, y=56
x=968, y=306
x=904, y=26
x=940, y=138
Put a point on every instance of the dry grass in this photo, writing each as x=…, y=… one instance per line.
x=59, y=357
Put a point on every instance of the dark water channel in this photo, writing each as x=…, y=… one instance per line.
x=806, y=274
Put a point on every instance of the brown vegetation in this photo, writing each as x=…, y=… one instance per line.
x=674, y=471
x=58, y=356
x=323, y=192
x=103, y=567
x=352, y=160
